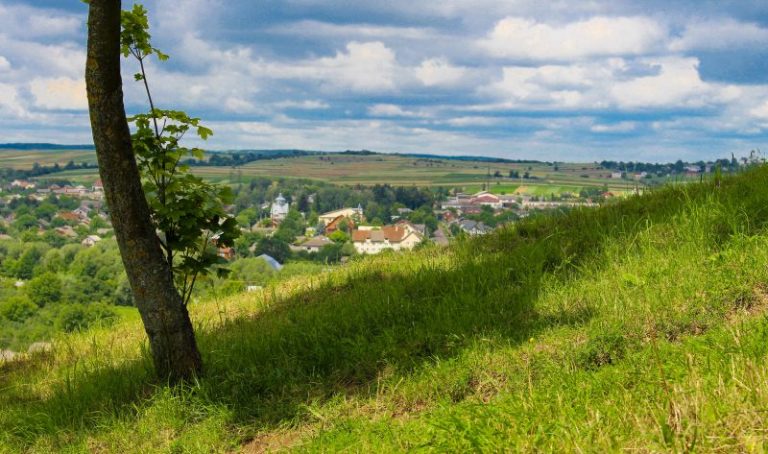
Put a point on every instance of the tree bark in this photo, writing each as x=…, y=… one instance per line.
x=165, y=317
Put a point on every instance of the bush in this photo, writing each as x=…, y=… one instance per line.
x=18, y=309
x=274, y=247
x=77, y=317
x=44, y=289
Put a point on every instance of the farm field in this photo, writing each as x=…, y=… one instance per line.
x=400, y=170
x=378, y=169
x=25, y=159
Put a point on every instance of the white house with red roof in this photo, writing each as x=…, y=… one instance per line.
x=485, y=198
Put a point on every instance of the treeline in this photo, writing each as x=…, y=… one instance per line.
x=678, y=166
x=43, y=146
x=7, y=174
x=238, y=158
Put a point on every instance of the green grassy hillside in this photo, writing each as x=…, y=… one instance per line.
x=640, y=325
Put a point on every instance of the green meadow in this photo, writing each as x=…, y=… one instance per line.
x=637, y=326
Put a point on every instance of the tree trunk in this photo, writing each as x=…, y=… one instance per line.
x=165, y=317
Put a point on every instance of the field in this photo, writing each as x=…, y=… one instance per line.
x=637, y=326
x=25, y=159
x=380, y=169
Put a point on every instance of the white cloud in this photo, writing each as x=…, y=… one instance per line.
x=472, y=121
x=723, y=34
x=520, y=38
x=547, y=86
x=21, y=20
x=10, y=102
x=439, y=72
x=59, y=93
x=608, y=84
x=622, y=126
x=238, y=105
x=365, y=66
x=677, y=85
x=5, y=65
x=391, y=110
x=309, y=104
x=760, y=111
x=364, y=31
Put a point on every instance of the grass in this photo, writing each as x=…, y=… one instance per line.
x=637, y=326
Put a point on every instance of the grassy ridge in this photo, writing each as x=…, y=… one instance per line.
x=638, y=325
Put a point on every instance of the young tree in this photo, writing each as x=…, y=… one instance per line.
x=144, y=254
x=187, y=211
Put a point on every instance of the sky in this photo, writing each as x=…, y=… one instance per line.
x=552, y=80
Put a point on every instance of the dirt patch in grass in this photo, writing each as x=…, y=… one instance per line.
x=750, y=305
x=272, y=442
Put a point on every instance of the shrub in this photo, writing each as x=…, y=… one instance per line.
x=44, y=289
x=17, y=309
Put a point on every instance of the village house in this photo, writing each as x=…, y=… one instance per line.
x=83, y=212
x=98, y=186
x=485, y=198
x=337, y=224
x=227, y=253
x=352, y=213
x=22, y=184
x=446, y=216
x=409, y=226
x=372, y=240
x=68, y=216
x=90, y=240
x=315, y=244
x=474, y=228
x=509, y=201
x=66, y=231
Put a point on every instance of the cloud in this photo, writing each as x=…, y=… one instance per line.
x=678, y=85
x=10, y=102
x=620, y=127
x=519, y=38
x=364, y=31
x=760, y=111
x=469, y=121
x=391, y=110
x=22, y=20
x=609, y=84
x=727, y=34
x=238, y=105
x=518, y=79
x=365, y=66
x=308, y=104
x=439, y=72
x=59, y=93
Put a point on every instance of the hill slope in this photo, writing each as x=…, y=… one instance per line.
x=638, y=325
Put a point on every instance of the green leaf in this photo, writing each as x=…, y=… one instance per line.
x=204, y=132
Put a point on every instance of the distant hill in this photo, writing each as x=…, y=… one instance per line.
x=277, y=153
x=43, y=146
